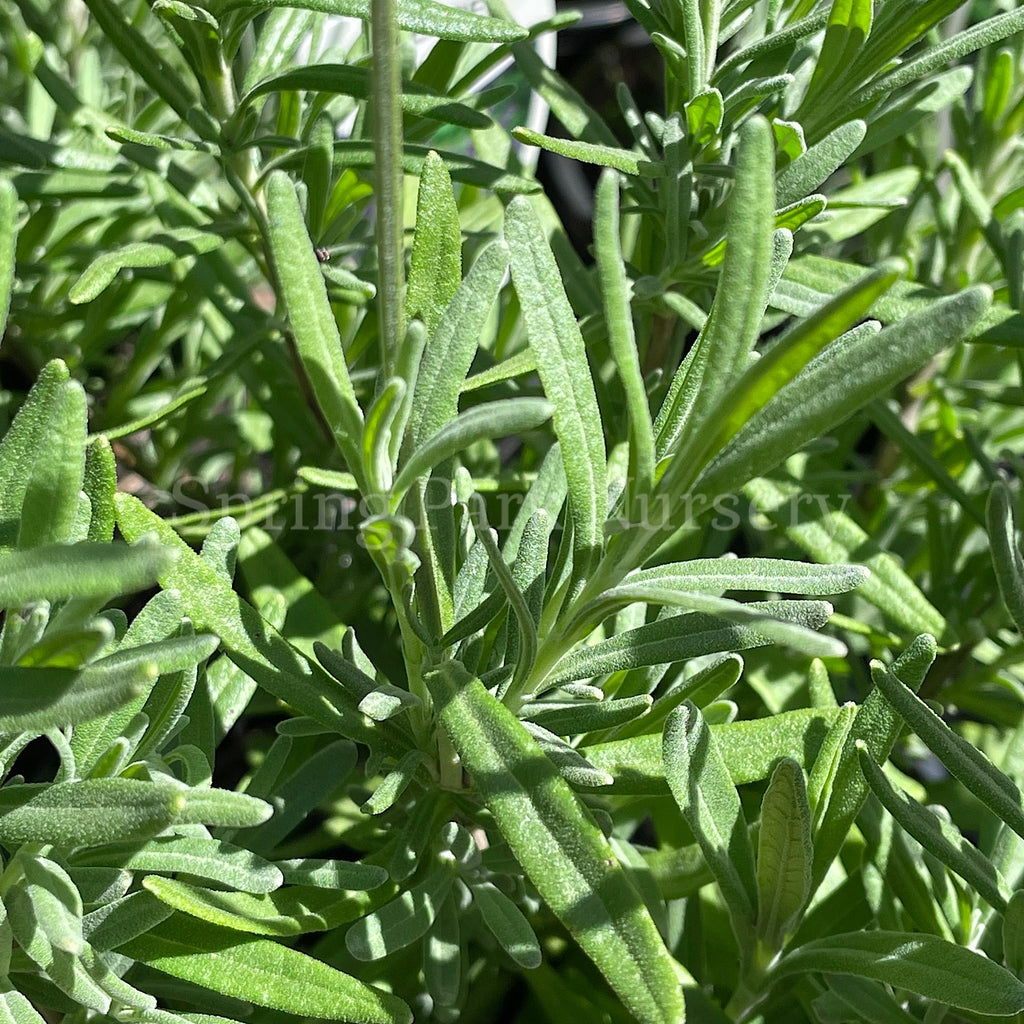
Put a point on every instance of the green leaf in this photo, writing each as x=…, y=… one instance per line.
x=791, y=353
x=33, y=912
x=404, y=919
x=809, y=170
x=347, y=80
x=1013, y=933
x=1006, y=557
x=559, y=846
x=507, y=924
x=556, y=341
x=849, y=23
x=985, y=33
x=99, y=485
x=584, y=716
x=124, y=917
x=700, y=784
x=435, y=269
x=293, y=910
x=21, y=445
x=453, y=344
x=784, y=855
x=14, y=1007
x=332, y=874
x=262, y=972
x=615, y=293
x=840, y=380
x=938, y=836
x=679, y=583
x=504, y=418
x=295, y=797
x=776, y=630
x=878, y=726
x=963, y=760
x=442, y=955
x=423, y=16
x=810, y=281
x=309, y=313
x=209, y=859
x=394, y=783
x=143, y=58
x=681, y=637
x=355, y=153
x=923, y=964
x=50, y=504
x=94, y=811
x=157, y=251
x=869, y=999
x=571, y=765
x=591, y=153
x=8, y=243
x=251, y=642
x=734, y=323
x=830, y=535
x=750, y=750
x=47, y=698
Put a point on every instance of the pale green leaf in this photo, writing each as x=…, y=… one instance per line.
x=700, y=783
x=784, y=854
x=556, y=342
x=8, y=241
x=937, y=835
x=1006, y=556
x=309, y=313
x=435, y=269
x=209, y=859
x=508, y=925
x=559, y=846
x=504, y=418
x=424, y=16
x=924, y=964
x=293, y=910
x=262, y=972
x=157, y=251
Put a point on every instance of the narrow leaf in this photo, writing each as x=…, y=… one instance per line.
x=924, y=964
x=842, y=379
x=262, y=972
x=435, y=269
x=878, y=726
x=424, y=16
x=700, y=783
x=156, y=251
x=8, y=242
x=784, y=854
x=615, y=293
x=559, y=846
x=504, y=418
x=447, y=359
x=1006, y=556
x=964, y=760
x=309, y=312
x=936, y=835
x=590, y=153
x=209, y=859
x=556, y=341
x=508, y=925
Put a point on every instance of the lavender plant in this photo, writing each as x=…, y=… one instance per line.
x=547, y=730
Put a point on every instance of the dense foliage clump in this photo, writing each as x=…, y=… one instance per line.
x=407, y=616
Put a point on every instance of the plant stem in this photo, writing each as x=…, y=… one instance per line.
x=386, y=77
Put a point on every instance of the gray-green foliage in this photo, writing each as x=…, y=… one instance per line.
x=493, y=735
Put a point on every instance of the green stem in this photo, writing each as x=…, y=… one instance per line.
x=386, y=78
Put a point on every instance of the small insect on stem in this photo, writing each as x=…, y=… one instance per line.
x=323, y=255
